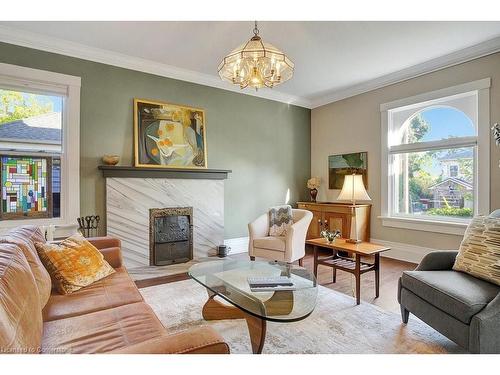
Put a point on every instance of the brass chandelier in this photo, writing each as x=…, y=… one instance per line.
x=256, y=64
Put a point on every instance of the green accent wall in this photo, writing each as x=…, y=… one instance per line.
x=265, y=143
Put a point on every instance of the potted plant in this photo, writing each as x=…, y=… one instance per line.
x=330, y=236
x=313, y=185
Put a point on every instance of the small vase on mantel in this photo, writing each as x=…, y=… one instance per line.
x=313, y=185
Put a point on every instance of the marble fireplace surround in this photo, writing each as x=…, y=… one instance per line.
x=132, y=191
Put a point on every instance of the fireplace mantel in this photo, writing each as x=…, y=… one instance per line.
x=153, y=172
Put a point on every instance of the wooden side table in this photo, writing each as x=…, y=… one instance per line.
x=354, y=266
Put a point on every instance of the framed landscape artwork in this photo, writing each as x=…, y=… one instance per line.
x=169, y=135
x=341, y=165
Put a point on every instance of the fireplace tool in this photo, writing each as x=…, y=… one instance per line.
x=89, y=225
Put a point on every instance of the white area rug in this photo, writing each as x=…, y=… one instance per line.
x=337, y=325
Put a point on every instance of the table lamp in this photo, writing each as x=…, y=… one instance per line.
x=354, y=190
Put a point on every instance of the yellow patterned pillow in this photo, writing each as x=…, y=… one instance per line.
x=479, y=253
x=73, y=264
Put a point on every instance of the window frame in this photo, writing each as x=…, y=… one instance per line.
x=481, y=144
x=44, y=82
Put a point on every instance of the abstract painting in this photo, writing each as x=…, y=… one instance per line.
x=26, y=186
x=169, y=135
x=341, y=165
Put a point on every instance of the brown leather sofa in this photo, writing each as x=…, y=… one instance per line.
x=109, y=316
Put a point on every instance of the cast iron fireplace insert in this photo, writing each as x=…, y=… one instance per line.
x=170, y=235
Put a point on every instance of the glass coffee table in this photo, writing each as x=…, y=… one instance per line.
x=227, y=279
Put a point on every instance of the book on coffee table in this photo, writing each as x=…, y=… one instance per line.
x=270, y=284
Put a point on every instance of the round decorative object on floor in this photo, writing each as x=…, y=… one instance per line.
x=222, y=251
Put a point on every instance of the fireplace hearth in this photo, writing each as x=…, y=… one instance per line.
x=170, y=235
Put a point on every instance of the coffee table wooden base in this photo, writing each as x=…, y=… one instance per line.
x=215, y=310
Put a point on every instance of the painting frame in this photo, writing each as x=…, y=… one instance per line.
x=139, y=145
x=336, y=175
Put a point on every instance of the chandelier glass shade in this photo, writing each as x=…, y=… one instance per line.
x=256, y=64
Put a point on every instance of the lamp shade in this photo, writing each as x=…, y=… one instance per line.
x=353, y=189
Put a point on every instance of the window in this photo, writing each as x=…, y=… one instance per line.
x=30, y=147
x=453, y=170
x=39, y=147
x=433, y=167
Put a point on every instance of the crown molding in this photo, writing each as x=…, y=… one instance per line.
x=81, y=51
x=63, y=47
x=458, y=57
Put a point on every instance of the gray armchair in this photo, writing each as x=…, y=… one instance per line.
x=463, y=308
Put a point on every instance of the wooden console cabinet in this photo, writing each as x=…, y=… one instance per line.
x=338, y=216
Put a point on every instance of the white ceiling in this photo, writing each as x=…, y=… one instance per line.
x=330, y=57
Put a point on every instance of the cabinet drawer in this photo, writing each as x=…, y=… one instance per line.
x=305, y=206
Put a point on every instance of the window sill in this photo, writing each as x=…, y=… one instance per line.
x=62, y=228
x=426, y=225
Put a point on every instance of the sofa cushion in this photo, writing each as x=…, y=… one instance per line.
x=25, y=237
x=73, y=264
x=479, y=253
x=102, y=331
x=271, y=243
x=456, y=293
x=20, y=309
x=115, y=290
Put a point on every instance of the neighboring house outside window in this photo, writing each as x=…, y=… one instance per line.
x=453, y=170
x=39, y=148
x=435, y=175
x=455, y=187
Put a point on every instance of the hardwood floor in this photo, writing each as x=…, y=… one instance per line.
x=390, y=271
x=161, y=280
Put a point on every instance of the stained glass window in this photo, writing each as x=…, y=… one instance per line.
x=26, y=186
x=31, y=137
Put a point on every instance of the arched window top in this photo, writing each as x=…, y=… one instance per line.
x=436, y=123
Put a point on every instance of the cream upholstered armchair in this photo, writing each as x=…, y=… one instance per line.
x=288, y=248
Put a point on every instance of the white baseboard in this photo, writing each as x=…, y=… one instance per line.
x=399, y=250
x=238, y=245
x=403, y=251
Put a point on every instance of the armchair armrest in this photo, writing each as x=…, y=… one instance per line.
x=438, y=261
x=296, y=236
x=109, y=248
x=259, y=227
x=203, y=340
x=484, y=336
